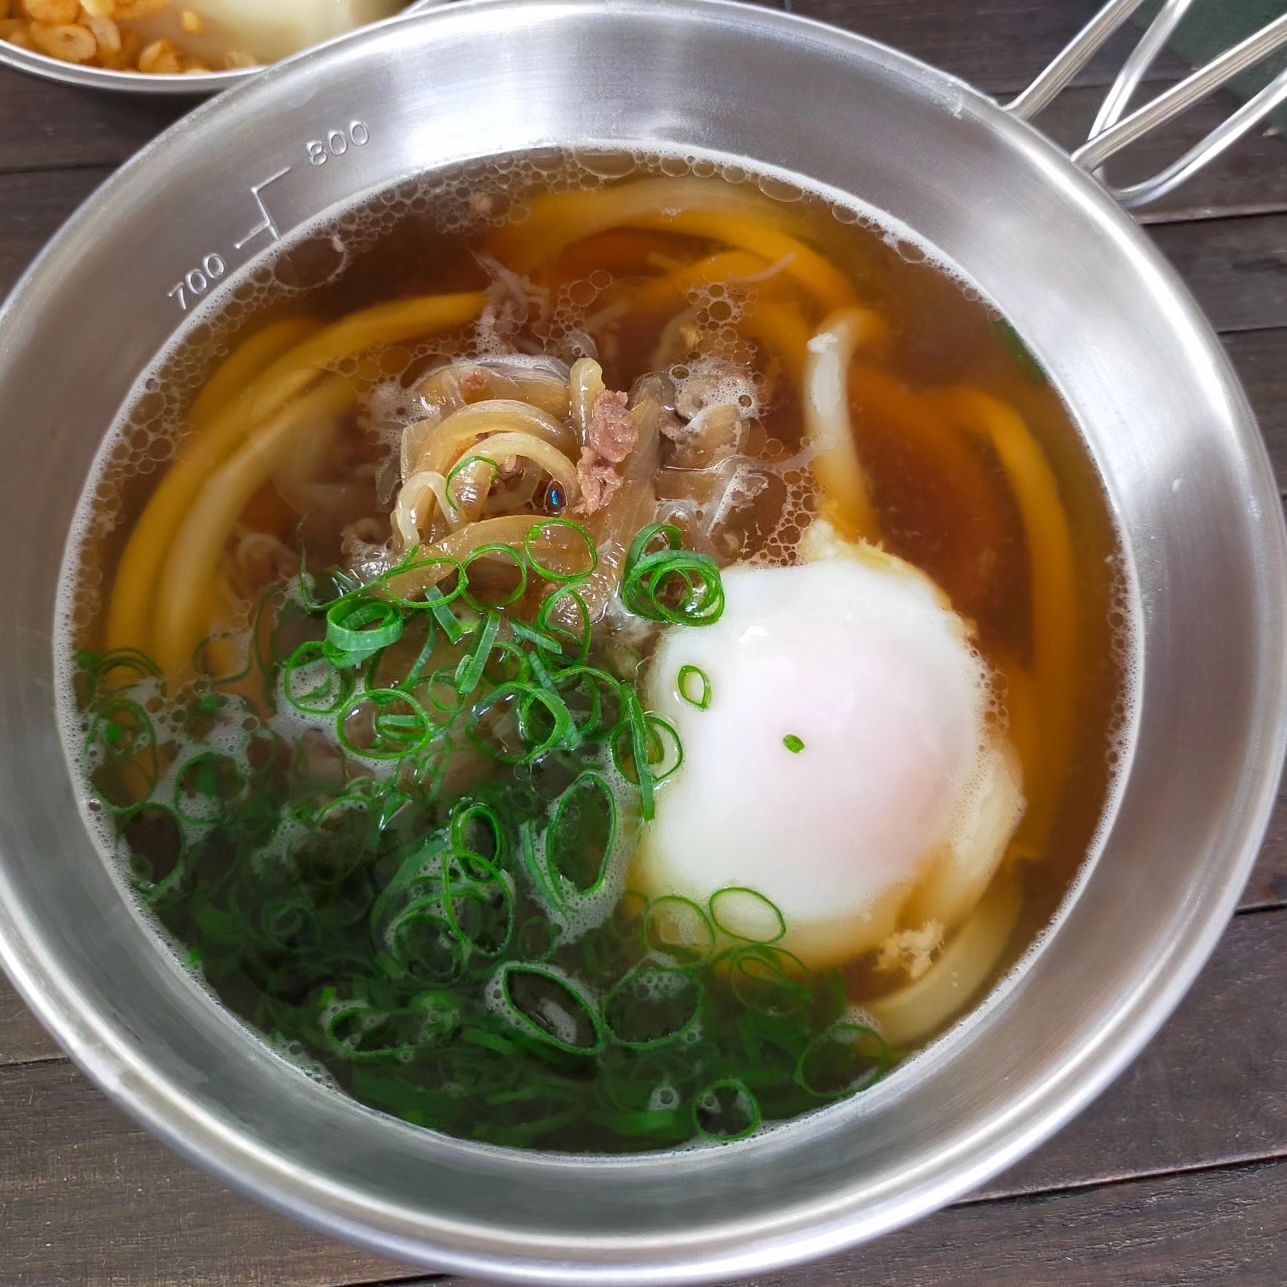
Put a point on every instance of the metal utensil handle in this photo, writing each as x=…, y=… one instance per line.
x=1112, y=131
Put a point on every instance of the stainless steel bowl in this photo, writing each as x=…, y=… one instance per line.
x=198, y=85
x=1163, y=419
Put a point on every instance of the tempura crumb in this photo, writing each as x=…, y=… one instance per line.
x=910, y=951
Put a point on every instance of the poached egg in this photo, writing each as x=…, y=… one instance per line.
x=848, y=766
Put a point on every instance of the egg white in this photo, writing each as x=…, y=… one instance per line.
x=898, y=808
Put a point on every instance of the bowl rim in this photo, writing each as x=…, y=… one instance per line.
x=195, y=85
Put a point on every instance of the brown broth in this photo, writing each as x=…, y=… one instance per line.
x=945, y=494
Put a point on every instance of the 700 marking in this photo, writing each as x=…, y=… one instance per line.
x=335, y=144
x=197, y=282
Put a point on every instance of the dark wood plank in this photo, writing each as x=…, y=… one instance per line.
x=1260, y=358
x=1268, y=884
x=32, y=208
x=1206, y=1092
x=1227, y=1227
x=88, y=1199
x=1236, y=268
x=1208, y=1089
x=22, y=1039
x=50, y=126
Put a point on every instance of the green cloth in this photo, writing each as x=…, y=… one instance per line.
x=1212, y=26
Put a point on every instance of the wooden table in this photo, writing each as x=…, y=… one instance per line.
x=1177, y=1175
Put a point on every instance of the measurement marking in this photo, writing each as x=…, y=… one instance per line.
x=336, y=143
x=269, y=224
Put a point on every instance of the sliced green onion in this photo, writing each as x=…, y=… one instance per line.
x=701, y=698
x=431, y=593
x=654, y=1006
x=345, y=583
x=462, y=465
x=842, y=1060
x=540, y=672
x=445, y=617
x=357, y=628
x=156, y=842
x=664, y=582
x=536, y=873
x=663, y=737
x=120, y=668
x=495, y=552
x=746, y=914
x=544, y=1005
x=580, y=840
x=525, y=699
x=560, y=633
x=539, y=530
x=793, y=743
x=470, y=670
x=726, y=1110
x=679, y=928
x=468, y=813
x=399, y=725
x=442, y=693
x=416, y=673
x=202, y=662
x=768, y=980
x=636, y=729
x=205, y=785
x=479, y=905
x=324, y=687
x=587, y=686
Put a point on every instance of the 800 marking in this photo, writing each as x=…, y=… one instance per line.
x=197, y=282
x=337, y=142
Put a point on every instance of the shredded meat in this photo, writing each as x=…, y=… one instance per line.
x=473, y=384
x=611, y=432
x=610, y=436
x=599, y=483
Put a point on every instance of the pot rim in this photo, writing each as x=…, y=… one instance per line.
x=99, y=1050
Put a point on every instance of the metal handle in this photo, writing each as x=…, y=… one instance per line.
x=1112, y=131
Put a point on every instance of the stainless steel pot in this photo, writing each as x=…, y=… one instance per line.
x=1163, y=418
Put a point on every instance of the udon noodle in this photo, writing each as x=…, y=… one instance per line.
x=596, y=653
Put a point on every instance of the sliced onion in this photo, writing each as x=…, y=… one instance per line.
x=511, y=530
x=412, y=513
x=585, y=385
x=502, y=446
x=446, y=442
x=826, y=420
x=540, y=381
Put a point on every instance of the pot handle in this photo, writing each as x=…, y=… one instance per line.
x=1112, y=131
